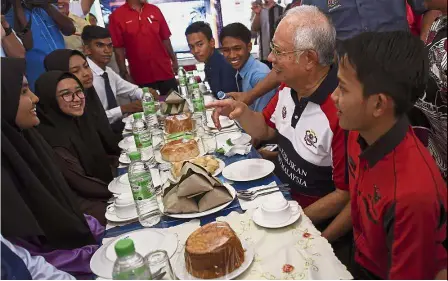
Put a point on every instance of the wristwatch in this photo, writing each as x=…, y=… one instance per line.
x=8, y=31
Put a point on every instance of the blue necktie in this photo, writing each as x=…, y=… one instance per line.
x=111, y=101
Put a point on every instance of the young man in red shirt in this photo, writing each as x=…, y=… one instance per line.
x=398, y=196
x=140, y=33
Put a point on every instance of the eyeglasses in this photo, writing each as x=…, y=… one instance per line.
x=70, y=96
x=277, y=53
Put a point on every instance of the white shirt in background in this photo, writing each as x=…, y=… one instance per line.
x=37, y=266
x=76, y=8
x=120, y=87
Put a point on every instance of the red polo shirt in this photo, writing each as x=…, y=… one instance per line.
x=398, y=205
x=142, y=34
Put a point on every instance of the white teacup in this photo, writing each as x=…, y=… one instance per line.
x=278, y=210
x=124, y=206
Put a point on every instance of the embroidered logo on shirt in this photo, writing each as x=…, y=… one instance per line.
x=284, y=112
x=310, y=138
x=376, y=194
x=151, y=16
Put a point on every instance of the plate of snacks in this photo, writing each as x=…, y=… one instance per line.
x=211, y=164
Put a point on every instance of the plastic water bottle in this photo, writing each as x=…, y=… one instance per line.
x=182, y=76
x=222, y=96
x=198, y=102
x=143, y=191
x=142, y=137
x=149, y=108
x=129, y=264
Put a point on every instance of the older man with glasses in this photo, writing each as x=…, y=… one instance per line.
x=302, y=116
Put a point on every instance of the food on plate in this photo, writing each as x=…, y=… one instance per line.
x=218, y=196
x=193, y=185
x=209, y=163
x=178, y=205
x=213, y=251
x=178, y=123
x=179, y=150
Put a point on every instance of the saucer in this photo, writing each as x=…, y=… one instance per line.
x=124, y=160
x=257, y=217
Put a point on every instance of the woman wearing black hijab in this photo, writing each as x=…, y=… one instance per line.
x=39, y=210
x=75, y=62
x=81, y=156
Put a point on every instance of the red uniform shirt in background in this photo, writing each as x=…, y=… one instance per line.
x=414, y=20
x=398, y=205
x=141, y=34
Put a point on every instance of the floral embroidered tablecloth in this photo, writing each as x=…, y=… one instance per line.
x=294, y=252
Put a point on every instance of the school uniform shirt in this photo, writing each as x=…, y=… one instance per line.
x=18, y=264
x=220, y=74
x=141, y=34
x=120, y=87
x=74, y=41
x=398, y=205
x=352, y=17
x=250, y=74
x=312, y=146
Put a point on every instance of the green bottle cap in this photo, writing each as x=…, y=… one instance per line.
x=145, y=90
x=195, y=86
x=138, y=115
x=124, y=247
x=135, y=155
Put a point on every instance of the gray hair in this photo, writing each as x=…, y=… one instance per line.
x=312, y=30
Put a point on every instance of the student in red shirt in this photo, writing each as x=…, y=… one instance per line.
x=398, y=197
x=140, y=33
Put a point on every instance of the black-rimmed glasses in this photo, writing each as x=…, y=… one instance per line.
x=70, y=96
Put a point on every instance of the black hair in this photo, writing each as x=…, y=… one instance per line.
x=200, y=26
x=236, y=30
x=394, y=63
x=91, y=32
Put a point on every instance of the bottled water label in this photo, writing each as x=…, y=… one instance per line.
x=142, y=140
x=198, y=105
x=141, y=187
x=149, y=108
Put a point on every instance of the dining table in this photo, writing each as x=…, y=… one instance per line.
x=298, y=247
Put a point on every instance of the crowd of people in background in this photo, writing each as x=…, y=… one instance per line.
x=354, y=94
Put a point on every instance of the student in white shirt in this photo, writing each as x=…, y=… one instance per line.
x=98, y=48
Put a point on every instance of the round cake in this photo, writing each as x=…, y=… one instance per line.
x=179, y=150
x=213, y=251
x=178, y=123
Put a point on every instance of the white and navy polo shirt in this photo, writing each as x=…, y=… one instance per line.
x=312, y=146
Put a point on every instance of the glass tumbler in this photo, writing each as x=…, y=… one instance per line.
x=159, y=265
x=209, y=143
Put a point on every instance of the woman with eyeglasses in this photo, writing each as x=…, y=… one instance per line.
x=79, y=151
x=39, y=210
x=75, y=62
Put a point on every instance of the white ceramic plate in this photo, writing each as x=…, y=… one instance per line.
x=112, y=216
x=225, y=122
x=257, y=217
x=145, y=241
x=158, y=155
x=201, y=214
x=248, y=170
x=235, y=137
x=181, y=271
x=120, y=185
x=127, y=142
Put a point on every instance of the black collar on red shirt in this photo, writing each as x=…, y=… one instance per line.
x=385, y=144
x=325, y=88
